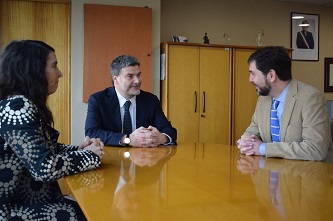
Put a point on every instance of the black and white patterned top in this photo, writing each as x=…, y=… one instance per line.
x=31, y=162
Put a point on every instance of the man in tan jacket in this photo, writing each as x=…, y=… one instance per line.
x=304, y=124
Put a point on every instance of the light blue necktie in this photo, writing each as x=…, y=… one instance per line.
x=273, y=185
x=275, y=125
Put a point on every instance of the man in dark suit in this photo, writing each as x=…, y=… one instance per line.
x=106, y=110
x=304, y=38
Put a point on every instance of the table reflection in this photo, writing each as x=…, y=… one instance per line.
x=288, y=189
x=198, y=182
x=129, y=178
x=140, y=171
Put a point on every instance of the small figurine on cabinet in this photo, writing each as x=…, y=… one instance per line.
x=226, y=39
x=206, y=39
x=260, y=35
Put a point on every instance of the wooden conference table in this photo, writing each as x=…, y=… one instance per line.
x=202, y=182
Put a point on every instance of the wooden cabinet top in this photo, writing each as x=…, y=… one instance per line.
x=213, y=45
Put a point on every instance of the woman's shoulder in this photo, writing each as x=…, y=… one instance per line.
x=15, y=98
x=16, y=104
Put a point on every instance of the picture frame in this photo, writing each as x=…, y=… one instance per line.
x=328, y=75
x=177, y=38
x=305, y=36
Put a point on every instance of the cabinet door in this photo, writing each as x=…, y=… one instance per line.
x=245, y=97
x=108, y=34
x=183, y=91
x=214, y=95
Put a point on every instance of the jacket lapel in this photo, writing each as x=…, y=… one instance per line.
x=288, y=108
x=113, y=103
x=267, y=119
x=140, y=110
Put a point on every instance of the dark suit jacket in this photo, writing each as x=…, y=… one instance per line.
x=303, y=43
x=104, y=120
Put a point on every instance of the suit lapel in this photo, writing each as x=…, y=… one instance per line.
x=267, y=119
x=288, y=108
x=140, y=110
x=113, y=103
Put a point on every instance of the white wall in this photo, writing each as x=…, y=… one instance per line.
x=78, y=107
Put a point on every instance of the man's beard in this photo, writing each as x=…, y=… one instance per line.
x=265, y=90
x=136, y=92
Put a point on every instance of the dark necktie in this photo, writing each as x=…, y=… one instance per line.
x=275, y=125
x=127, y=124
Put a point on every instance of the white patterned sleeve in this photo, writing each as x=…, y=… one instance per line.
x=21, y=129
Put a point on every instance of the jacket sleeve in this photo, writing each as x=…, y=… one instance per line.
x=45, y=159
x=162, y=123
x=94, y=124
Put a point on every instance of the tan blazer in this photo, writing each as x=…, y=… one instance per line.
x=305, y=124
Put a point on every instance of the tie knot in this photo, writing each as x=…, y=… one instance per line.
x=275, y=104
x=127, y=105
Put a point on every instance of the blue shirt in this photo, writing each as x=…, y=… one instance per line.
x=279, y=110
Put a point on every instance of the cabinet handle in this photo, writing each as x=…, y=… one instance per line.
x=204, y=104
x=195, y=101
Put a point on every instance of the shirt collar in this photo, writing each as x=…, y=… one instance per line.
x=122, y=100
x=283, y=95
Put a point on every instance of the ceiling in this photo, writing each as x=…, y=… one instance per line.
x=312, y=2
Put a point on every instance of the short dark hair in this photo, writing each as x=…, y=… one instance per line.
x=22, y=72
x=273, y=57
x=122, y=61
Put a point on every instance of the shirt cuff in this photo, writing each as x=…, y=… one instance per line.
x=262, y=149
x=170, y=140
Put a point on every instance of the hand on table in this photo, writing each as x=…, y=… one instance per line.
x=93, y=144
x=249, y=144
x=147, y=137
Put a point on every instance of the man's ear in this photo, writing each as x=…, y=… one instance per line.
x=272, y=76
x=114, y=78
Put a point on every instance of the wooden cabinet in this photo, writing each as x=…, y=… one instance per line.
x=244, y=93
x=180, y=95
x=205, y=91
x=196, y=92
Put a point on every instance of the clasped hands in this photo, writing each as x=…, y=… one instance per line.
x=147, y=137
x=249, y=144
x=93, y=144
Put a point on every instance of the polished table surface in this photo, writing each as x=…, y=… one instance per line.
x=202, y=182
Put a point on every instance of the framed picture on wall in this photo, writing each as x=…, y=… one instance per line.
x=305, y=36
x=328, y=75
